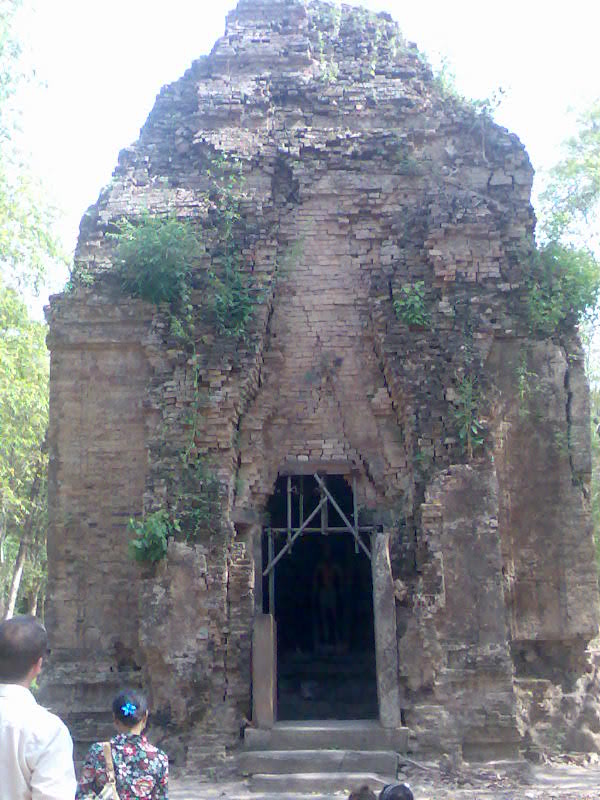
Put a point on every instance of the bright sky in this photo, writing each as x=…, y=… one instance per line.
x=104, y=62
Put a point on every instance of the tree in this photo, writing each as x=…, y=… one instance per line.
x=571, y=200
x=27, y=247
x=570, y=224
x=27, y=244
x=23, y=422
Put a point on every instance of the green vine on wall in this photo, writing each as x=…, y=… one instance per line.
x=526, y=383
x=470, y=428
x=232, y=289
x=157, y=259
x=199, y=499
x=197, y=508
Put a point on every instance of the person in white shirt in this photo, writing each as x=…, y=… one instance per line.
x=36, y=750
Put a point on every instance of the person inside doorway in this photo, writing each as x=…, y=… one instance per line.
x=327, y=587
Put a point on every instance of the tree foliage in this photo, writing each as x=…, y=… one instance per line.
x=570, y=233
x=564, y=280
x=563, y=286
x=27, y=248
x=23, y=401
x=23, y=423
x=571, y=200
x=28, y=245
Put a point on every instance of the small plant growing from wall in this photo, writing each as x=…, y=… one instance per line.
x=154, y=258
x=80, y=275
x=231, y=300
x=410, y=305
x=199, y=510
x=526, y=382
x=471, y=430
x=151, y=536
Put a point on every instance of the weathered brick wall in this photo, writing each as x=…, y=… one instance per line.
x=98, y=463
x=360, y=177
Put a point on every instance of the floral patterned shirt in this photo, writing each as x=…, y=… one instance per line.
x=141, y=770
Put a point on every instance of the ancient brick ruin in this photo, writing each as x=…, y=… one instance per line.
x=463, y=561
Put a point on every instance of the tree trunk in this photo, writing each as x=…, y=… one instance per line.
x=33, y=601
x=16, y=579
x=2, y=532
x=23, y=548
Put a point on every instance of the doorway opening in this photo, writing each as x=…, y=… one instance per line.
x=317, y=582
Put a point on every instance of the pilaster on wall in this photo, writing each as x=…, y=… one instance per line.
x=543, y=462
x=98, y=462
x=97, y=470
x=459, y=614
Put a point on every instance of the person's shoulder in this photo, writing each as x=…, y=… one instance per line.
x=95, y=749
x=163, y=760
x=154, y=752
x=152, y=749
x=47, y=723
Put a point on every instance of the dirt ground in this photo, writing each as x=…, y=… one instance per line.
x=566, y=778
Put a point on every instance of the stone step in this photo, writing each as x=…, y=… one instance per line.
x=298, y=709
x=489, y=750
x=317, y=782
x=282, y=762
x=193, y=789
x=327, y=735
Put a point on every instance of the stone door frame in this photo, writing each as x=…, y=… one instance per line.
x=264, y=636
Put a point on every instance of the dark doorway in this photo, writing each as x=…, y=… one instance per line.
x=323, y=604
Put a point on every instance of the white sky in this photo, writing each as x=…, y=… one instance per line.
x=104, y=62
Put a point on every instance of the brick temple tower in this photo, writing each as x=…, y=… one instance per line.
x=402, y=463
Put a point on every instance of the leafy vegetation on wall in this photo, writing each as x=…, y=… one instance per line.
x=157, y=259
x=154, y=257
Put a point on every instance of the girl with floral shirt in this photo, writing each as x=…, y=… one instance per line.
x=141, y=770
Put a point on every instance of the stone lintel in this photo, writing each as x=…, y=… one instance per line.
x=294, y=467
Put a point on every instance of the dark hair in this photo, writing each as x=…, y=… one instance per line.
x=362, y=793
x=130, y=707
x=23, y=641
x=396, y=791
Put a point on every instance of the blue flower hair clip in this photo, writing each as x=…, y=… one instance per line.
x=128, y=709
